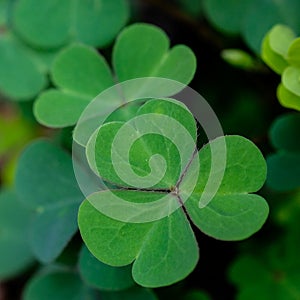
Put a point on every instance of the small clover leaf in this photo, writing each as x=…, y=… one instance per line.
x=80, y=74
x=280, y=51
x=45, y=182
x=275, y=47
x=284, y=166
x=158, y=240
x=15, y=252
x=54, y=23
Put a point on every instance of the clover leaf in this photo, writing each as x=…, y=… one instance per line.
x=15, y=252
x=150, y=227
x=52, y=24
x=80, y=74
x=45, y=182
x=284, y=165
x=275, y=47
x=280, y=51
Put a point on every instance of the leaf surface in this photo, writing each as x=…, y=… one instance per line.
x=45, y=182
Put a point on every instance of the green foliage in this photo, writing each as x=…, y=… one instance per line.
x=280, y=50
x=102, y=276
x=47, y=284
x=80, y=74
x=57, y=283
x=284, y=165
x=51, y=192
x=252, y=19
x=226, y=16
x=70, y=20
x=273, y=274
x=158, y=178
x=232, y=214
x=30, y=40
x=15, y=252
x=21, y=78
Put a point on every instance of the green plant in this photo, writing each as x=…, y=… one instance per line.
x=280, y=50
x=128, y=169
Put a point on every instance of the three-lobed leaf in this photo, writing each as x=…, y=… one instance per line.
x=163, y=248
x=80, y=74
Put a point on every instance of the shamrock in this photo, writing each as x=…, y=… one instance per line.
x=160, y=185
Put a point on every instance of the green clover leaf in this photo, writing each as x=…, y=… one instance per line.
x=280, y=51
x=52, y=24
x=284, y=165
x=44, y=167
x=275, y=47
x=80, y=73
x=158, y=240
